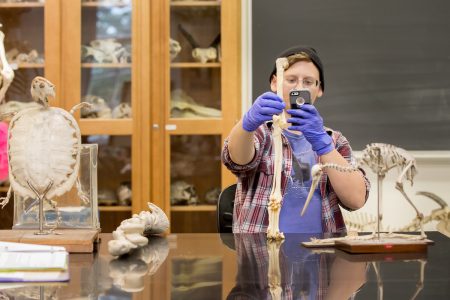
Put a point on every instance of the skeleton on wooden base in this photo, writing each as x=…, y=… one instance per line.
x=44, y=146
x=381, y=158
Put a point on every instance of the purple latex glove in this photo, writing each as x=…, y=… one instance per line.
x=262, y=110
x=308, y=120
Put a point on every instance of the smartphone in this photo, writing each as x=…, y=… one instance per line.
x=299, y=97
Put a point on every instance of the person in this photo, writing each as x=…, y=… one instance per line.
x=249, y=153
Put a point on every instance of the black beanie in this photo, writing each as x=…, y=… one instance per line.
x=312, y=53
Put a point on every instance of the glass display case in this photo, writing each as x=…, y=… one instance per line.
x=28, y=40
x=75, y=209
x=200, y=110
x=99, y=69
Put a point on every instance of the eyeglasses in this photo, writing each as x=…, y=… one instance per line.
x=307, y=82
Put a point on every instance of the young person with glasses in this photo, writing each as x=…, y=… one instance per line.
x=249, y=153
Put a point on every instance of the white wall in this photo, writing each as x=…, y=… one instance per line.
x=433, y=176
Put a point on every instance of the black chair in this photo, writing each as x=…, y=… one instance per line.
x=225, y=205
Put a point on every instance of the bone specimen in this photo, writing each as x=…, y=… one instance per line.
x=124, y=194
x=366, y=222
x=105, y=51
x=128, y=273
x=11, y=107
x=279, y=122
x=130, y=234
x=182, y=193
x=204, y=55
x=6, y=72
x=184, y=106
x=122, y=111
x=175, y=48
x=212, y=195
x=201, y=54
x=43, y=149
x=381, y=158
x=98, y=108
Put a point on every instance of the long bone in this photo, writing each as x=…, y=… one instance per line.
x=279, y=122
x=6, y=72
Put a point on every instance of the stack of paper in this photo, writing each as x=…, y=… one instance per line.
x=26, y=262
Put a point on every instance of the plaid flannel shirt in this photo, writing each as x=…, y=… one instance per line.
x=255, y=183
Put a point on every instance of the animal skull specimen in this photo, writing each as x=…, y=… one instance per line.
x=130, y=234
x=204, y=55
x=279, y=122
x=44, y=146
x=122, y=111
x=6, y=72
x=175, y=48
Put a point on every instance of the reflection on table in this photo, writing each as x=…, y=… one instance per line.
x=246, y=266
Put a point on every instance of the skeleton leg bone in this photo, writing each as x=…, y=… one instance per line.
x=279, y=122
x=80, y=106
x=6, y=72
x=399, y=187
x=41, y=198
x=5, y=200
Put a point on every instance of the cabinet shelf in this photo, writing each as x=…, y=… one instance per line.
x=103, y=4
x=195, y=65
x=193, y=208
x=194, y=3
x=21, y=4
x=30, y=66
x=195, y=126
x=111, y=65
x=114, y=208
x=106, y=126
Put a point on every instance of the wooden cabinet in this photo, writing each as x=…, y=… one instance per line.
x=116, y=55
x=201, y=104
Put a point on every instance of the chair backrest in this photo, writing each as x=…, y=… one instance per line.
x=225, y=205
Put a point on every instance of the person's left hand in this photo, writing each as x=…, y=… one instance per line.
x=308, y=120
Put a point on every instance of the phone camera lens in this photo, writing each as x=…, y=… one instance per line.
x=300, y=101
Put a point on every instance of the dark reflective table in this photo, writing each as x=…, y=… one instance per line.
x=246, y=266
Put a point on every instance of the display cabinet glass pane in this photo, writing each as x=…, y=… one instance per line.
x=195, y=169
x=195, y=27
x=108, y=90
x=114, y=169
x=106, y=58
x=195, y=78
x=195, y=93
x=22, y=37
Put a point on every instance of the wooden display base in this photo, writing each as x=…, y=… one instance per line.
x=383, y=245
x=74, y=240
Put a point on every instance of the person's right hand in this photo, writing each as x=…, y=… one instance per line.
x=262, y=110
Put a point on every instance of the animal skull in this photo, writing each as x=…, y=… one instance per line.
x=204, y=55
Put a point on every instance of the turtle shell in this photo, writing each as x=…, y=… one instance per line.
x=43, y=147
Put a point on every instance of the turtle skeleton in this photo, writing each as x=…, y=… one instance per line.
x=44, y=146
